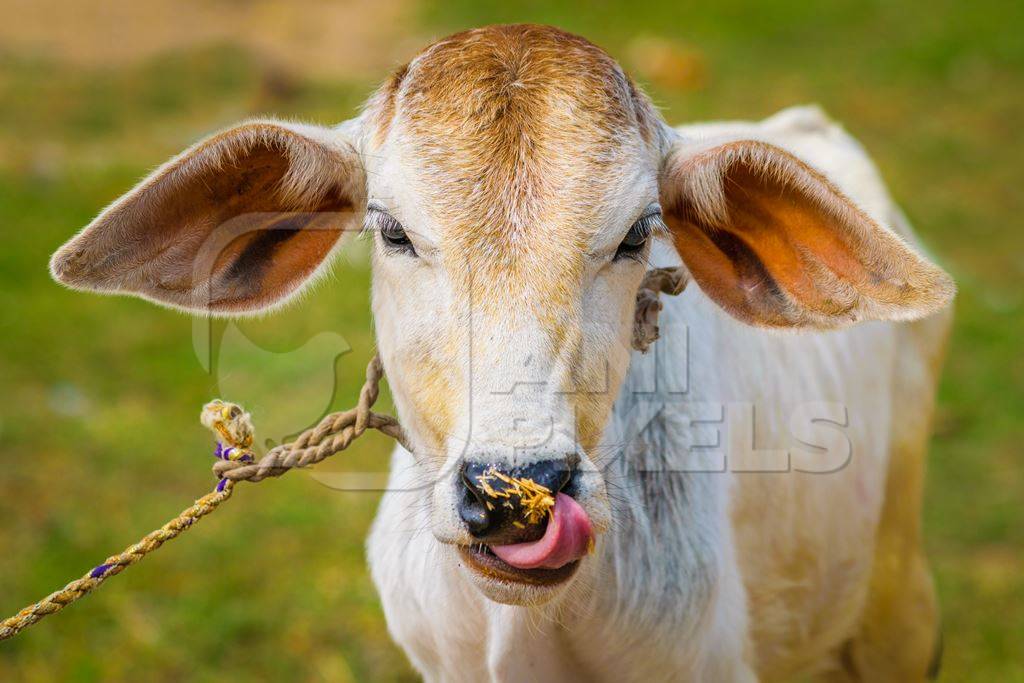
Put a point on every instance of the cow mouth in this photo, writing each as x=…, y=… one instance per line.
x=482, y=560
x=568, y=536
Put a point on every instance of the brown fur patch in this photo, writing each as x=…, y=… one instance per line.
x=514, y=153
x=427, y=379
x=518, y=134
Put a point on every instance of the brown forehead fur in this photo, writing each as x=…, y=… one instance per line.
x=517, y=132
x=515, y=137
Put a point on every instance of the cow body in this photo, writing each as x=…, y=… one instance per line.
x=742, y=503
x=758, y=570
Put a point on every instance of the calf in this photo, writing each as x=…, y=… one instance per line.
x=738, y=504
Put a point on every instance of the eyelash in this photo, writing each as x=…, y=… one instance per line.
x=645, y=226
x=397, y=242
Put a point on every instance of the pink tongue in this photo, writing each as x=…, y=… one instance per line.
x=566, y=539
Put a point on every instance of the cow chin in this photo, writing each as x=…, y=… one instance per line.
x=524, y=588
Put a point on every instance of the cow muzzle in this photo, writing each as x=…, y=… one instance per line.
x=527, y=526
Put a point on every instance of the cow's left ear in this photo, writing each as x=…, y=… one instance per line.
x=775, y=244
x=236, y=224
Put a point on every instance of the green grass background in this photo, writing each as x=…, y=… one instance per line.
x=99, y=440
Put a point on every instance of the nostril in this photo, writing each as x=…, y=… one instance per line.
x=569, y=480
x=475, y=516
x=564, y=474
x=554, y=474
x=472, y=508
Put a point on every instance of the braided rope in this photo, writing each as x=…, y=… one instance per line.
x=334, y=433
x=113, y=565
x=235, y=463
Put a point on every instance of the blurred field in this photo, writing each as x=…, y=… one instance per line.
x=99, y=440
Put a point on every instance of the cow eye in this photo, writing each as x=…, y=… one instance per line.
x=392, y=235
x=636, y=239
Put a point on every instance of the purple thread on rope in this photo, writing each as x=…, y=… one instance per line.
x=227, y=453
x=99, y=571
x=219, y=452
x=221, y=484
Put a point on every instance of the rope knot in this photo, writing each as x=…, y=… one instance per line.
x=234, y=428
x=233, y=425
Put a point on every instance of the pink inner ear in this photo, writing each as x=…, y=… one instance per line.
x=272, y=258
x=218, y=229
x=791, y=250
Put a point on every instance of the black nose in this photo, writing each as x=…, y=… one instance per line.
x=510, y=504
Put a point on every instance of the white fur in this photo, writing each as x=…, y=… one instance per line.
x=664, y=597
x=740, y=480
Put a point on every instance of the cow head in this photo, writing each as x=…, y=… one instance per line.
x=513, y=179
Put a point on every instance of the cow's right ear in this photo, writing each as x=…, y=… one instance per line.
x=238, y=223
